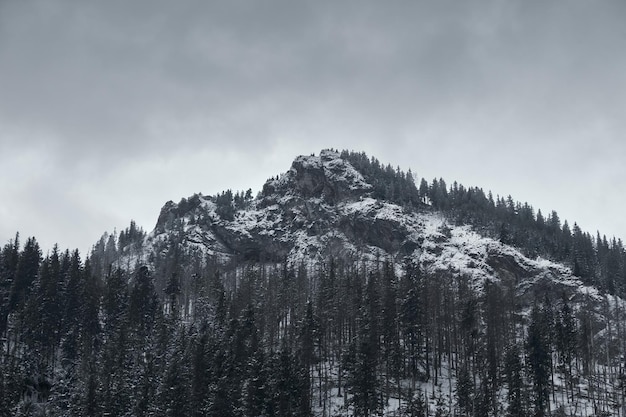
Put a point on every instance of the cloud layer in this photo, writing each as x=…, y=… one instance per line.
x=108, y=109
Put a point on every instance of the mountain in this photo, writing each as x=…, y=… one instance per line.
x=342, y=288
x=324, y=208
x=322, y=203
x=345, y=210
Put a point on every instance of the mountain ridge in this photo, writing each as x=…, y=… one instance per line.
x=323, y=208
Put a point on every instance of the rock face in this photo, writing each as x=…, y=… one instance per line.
x=327, y=177
x=323, y=207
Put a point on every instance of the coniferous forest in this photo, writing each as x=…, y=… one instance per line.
x=191, y=336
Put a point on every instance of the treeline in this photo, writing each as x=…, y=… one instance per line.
x=595, y=259
x=258, y=340
x=78, y=343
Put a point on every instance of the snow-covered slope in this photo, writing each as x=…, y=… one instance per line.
x=323, y=207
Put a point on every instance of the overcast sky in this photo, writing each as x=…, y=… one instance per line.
x=110, y=108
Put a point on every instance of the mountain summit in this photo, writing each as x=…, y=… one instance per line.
x=344, y=206
x=322, y=202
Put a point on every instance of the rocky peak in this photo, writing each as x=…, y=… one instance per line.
x=327, y=176
x=171, y=211
x=323, y=208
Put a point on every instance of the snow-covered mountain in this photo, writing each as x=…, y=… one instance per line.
x=322, y=207
x=325, y=209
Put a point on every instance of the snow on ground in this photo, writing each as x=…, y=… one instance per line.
x=456, y=250
x=592, y=395
x=464, y=252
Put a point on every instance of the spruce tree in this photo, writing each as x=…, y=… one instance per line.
x=514, y=373
x=539, y=360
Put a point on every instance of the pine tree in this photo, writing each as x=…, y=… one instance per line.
x=41, y=320
x=9, y=258
x=25, y=275
x=306, y=352
x=391, y=354
x=144, y=314
x=465, y=392
x=515, y=383
x=539, y=360
x=71, y=309
x=566, y=339
x=412, y=319
x=174, y=392
x=362, y=364
x=115, y=360
x=199, y=353
x=143, y=302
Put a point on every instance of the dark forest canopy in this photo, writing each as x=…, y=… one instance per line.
x=273, y=340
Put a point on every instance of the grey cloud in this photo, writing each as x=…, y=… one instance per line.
x=104, y=85
x=76, y=66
